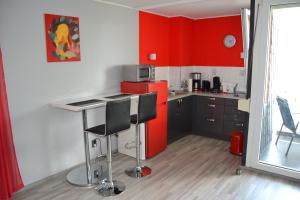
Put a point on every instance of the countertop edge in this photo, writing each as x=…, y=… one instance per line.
x=63, y=104
x=218, y=95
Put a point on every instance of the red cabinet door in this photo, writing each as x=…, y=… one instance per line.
x=156, y=132
x=161, y=87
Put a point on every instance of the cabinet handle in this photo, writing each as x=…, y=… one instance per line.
x=210, y=120
x=212, y=105
x=212, y=98
x=241, y=124
x=179, y=101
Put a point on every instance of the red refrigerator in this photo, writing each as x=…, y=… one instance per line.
x=156, y=129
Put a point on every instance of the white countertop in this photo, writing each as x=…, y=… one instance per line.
x=208, y=94
x=64, y=104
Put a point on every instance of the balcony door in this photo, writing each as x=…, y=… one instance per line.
x=276, y=72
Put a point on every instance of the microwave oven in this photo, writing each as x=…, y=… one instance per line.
x=138, y=73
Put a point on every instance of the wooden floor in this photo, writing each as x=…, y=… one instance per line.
x=191, y=168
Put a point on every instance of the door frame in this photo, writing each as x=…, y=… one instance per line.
x=259, y=72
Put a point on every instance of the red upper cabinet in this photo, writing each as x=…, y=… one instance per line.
x=154, y=35
x=208, y=46
x=181, y=41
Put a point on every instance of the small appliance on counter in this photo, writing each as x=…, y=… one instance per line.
x=205, y=85
x=190, y=85
x=196, y=81
x=216, y=85
x=138, y=73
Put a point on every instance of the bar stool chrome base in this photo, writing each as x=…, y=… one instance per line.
x=106, y=189
x=138, y=172
x=77, y=176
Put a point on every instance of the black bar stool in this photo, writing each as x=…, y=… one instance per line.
x=117, y=119
x=146, y=112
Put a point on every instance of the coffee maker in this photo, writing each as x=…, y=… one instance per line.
x=206, y=86
x=196, y=81
x=216, y=85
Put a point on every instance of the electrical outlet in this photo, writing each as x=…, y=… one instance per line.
x=242, y=72
x=213, y=72
x=96, y=173
x=94, y=143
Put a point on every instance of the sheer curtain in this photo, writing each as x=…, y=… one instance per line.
x=10, y=178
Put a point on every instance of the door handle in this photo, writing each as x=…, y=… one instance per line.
x=179, y=101
x=239, y=124
x=210, y=120
x=212, y=105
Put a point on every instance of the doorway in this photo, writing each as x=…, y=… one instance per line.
x=283, y=74
x=276, y=70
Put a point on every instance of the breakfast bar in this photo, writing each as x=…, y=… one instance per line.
x=83, y=174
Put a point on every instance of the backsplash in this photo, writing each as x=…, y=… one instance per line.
x=228, y=75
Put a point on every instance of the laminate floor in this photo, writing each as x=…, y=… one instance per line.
x=191, y=168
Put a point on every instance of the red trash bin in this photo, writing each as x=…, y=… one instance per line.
x=236, y=147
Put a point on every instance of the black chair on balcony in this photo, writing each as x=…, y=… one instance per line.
x=117, y=119
x=287, y=121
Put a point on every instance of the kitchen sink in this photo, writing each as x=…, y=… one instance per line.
x=177, y=92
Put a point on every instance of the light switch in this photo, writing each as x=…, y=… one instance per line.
x=152, y=56
x=242, y=55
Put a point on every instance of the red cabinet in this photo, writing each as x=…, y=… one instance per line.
x=154, y=35
x=156, y=129
x=181, y=36
x=208, y=45
x=179, y=41
x=156, y=132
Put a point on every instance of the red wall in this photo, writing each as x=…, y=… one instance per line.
x=208, y=47
x=180, y=41
x=154, y=36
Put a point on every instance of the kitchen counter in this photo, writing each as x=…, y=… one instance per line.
x=82, y=175
x=80, y=104
x=208, y=94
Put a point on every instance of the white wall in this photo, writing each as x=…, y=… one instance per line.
x=50, y=140
x=228, y=75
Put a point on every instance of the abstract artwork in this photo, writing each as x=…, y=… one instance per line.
x=62, y=38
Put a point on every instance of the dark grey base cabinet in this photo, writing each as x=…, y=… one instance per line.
x=234, y=120
x=205, y=116
x=208, y=117
x=179, y=118
x=216, y=117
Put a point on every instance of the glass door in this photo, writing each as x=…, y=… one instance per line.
x=274, y=144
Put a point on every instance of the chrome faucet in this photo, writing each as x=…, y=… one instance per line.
x=235, y=92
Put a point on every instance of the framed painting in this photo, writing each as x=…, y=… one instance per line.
x=62, y=38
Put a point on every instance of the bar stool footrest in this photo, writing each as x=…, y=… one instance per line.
x=138, y=172
x=107, y=189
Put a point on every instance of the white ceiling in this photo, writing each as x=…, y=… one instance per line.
x=188, y=8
